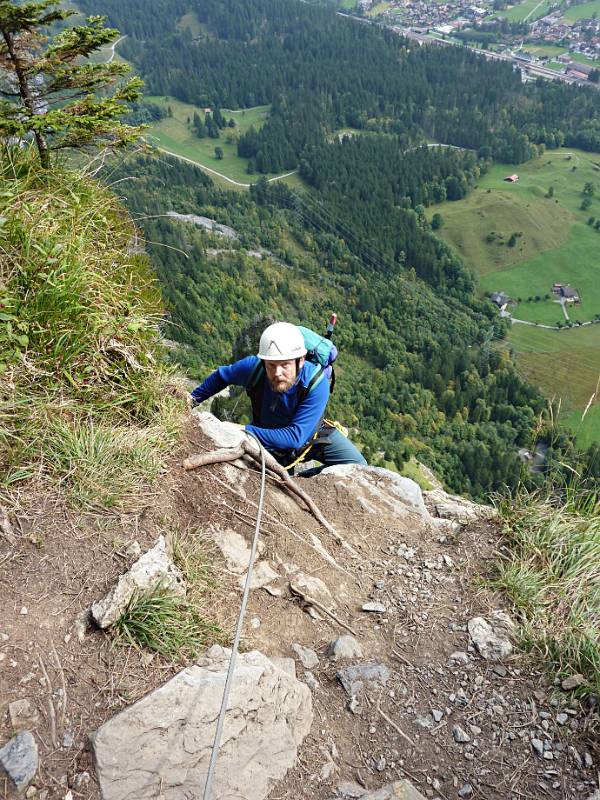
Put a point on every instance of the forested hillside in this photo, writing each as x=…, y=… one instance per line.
x=322, y=72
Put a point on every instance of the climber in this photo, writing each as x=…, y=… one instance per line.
x=289, y=394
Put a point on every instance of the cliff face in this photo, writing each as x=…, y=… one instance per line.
x=410, y=668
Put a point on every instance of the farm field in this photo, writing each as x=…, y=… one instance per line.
x=377, y=9
x=556, y=245
x=565, y=366
x=581, y=59
x=544, y=50
x=583, y=11
x=521, y=11
x=555, y=65
x=174, y=134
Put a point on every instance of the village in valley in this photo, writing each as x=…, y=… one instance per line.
x=556, y=37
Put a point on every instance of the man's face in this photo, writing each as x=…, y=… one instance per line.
x=282, y=374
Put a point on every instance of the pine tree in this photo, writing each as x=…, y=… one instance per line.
x=51, y=86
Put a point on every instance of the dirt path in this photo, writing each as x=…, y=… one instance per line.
x=220, y=174
x=428, y=579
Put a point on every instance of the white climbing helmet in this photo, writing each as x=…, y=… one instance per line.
x=280, y=342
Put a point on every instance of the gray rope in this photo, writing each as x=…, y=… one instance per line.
x=238, y=631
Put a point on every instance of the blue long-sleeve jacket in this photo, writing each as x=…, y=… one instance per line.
x=285, y=423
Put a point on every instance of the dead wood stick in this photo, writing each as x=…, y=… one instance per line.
x=394, y=726
x=329, y=613
x=231, y=454
x=51, y=710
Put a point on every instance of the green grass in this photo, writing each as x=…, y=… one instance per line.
x=577, y=262
x=165, y=624
x=347, y=5
x=378, y=9
x=552, y=575
x=586, y=430
x=525, y=10
x=564, y=365
x=581, y=59
x=555, y=65
x=544, y=50
x=85, y=400
x=174, y=134
x=557, y=245
x=583, y=11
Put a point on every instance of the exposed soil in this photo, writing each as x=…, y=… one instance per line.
x=429, y=580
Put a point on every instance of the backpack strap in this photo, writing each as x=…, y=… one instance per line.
x=255, y=389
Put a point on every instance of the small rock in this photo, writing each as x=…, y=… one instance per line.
x=588, y=760
x=354, y=705
x=355, y=677
x=31, y=792
x=381, y=764
x=466, y=790
x=460, y=735
x=501, y=670
x=308, y=658
x=572, y=682
x=562, y=719
x=425, y=721
x=350, y=791
x=4, y=637
x=344, y=647
x=310, y=681
x=380, y=584
x=437, y=715
x=133, y=549
x=461, y=657
x=68, y=739
x=255, y=623
x=22, y=715
x=80, y=780
x=377, y=608
x=538, y=746
x=491, y=636
x=24, y=611
x=19, y=759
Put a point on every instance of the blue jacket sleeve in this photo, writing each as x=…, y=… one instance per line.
x=302, y=426
x=235, y=374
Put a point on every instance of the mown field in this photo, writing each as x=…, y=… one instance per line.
x=565, y=366
x=581, y=59
x=544, y=50
x=583, y=11
x=177, y=135
x=556, y=245
x=530, y=9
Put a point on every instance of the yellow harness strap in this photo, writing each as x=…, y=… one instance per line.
x=332, y=423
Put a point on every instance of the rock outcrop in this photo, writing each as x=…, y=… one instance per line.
x=160, y=746
x=151, y=571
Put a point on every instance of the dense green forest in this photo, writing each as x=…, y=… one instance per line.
x=418, y=373
x=321, y=72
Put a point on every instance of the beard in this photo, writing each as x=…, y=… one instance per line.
x=281, y=386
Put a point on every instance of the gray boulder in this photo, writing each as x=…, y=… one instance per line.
x=492, y=635
x=160, y=746
x=382, y=487
x=453, y=507
x=152, y=570
x=19, y=760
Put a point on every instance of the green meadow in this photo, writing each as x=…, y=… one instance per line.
x=581, y=59
x=583, y=11
x=530, y=10
x=544, y=50
x=554, y=244
x=177, y=135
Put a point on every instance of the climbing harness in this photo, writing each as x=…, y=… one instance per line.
x=238, y=631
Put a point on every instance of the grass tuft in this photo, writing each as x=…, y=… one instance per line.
x=552, y=575
x=83, y=392
x=165, y=624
